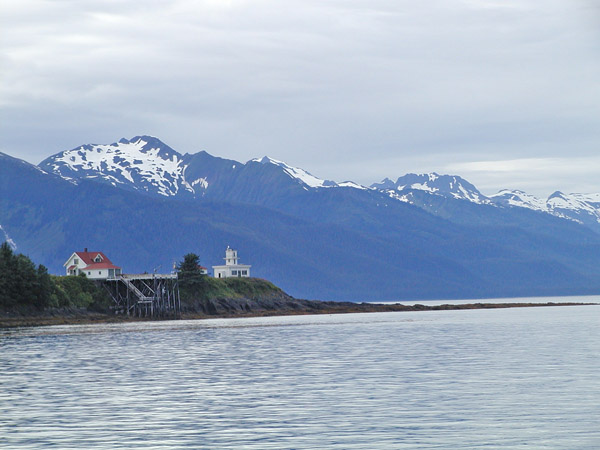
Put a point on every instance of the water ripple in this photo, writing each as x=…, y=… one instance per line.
x=514, y=379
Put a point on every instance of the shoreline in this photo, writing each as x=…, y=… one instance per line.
x=90, y=318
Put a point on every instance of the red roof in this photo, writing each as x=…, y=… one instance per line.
x=101, y=265
x=88, y=258
x=72, y=267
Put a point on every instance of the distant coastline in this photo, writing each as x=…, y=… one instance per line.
x=296, y=307
x=32, y=297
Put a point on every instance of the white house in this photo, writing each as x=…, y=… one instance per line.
x=231, y=267
x=95, y=265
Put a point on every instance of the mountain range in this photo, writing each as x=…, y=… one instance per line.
x=421, y=236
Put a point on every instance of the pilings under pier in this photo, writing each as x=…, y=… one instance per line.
x=145, y=295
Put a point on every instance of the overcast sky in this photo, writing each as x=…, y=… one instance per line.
x=505, y=93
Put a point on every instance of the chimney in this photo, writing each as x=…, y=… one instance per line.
x=85, y=249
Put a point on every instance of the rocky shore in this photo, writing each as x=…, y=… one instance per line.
x=276, y=304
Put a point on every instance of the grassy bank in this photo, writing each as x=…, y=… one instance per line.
x=210, y=288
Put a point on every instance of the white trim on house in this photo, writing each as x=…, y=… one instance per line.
x=75, y=265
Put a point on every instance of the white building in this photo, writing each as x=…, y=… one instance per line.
x=231, y=267
x=95, y=265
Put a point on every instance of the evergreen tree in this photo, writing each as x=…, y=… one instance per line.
x=6, y=264
x=45, y=287
x=22, y=285
x=191, y=278
x=189, y=268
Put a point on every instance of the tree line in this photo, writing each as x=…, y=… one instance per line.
x=25, y=287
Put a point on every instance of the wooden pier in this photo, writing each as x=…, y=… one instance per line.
x=145, y=295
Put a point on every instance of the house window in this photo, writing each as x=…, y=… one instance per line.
x=89, y=273
x=244, y=272
x=99, y=272
x=234, y=272
x=98, y=258
x=75, y=261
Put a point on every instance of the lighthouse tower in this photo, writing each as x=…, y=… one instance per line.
x=231, y=257
x=232, y=267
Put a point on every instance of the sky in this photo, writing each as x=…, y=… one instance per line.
x=505, y=93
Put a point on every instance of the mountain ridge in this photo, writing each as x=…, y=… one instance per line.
x=332, y=242
x=147, y=164
x=202, y=175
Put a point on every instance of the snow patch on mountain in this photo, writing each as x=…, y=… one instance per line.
x=519, y=199
x=301, y=175
x=200, y=182
x=581, y=208
x=294, y=172
x=405, y=197
x=305, y=177
x=8, y=239
x=352, y=184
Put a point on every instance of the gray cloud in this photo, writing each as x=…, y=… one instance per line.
x=346, y=89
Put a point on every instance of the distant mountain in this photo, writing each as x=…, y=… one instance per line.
x=142, y=163
x=146, y=164
x=581, y=208
x=49, y=217
x=423, y=236
x=444, y=185
x=520, y=199
x=427, y=191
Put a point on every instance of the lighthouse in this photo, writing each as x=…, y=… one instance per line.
x=232, y=267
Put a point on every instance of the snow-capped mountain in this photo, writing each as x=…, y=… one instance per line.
x=144, y=163
x=413, y=189
x=581, y=208
x=141, y=163
x=575, y=203
x=444, y=185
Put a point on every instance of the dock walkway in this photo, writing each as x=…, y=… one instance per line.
x=145, y=295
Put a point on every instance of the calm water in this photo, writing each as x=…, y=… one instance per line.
x=516, y=378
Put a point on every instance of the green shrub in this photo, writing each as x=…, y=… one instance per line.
x=79, y=292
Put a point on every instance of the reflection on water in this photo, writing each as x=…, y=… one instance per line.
x=516, y=378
